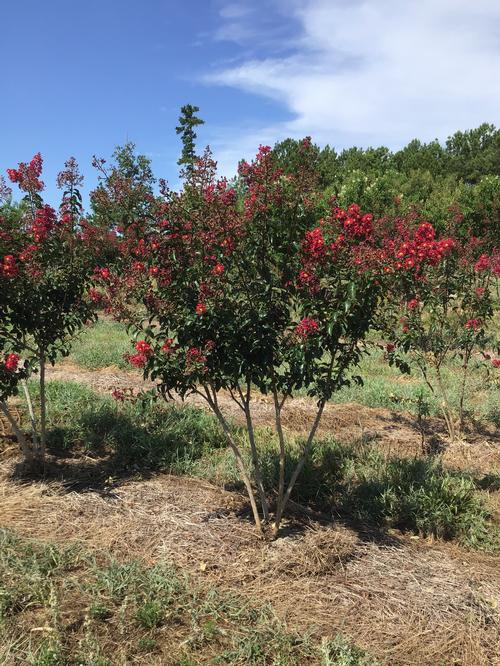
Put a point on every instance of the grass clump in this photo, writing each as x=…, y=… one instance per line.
x=163, y=437
x=416, y=494
x=341, y=652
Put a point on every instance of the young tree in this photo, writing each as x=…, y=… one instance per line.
x=441, y=305
x=124, y=196
x=45, y=270
x=188, y=120
x=271, y=292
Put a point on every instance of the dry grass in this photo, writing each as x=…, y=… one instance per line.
x=407, y=601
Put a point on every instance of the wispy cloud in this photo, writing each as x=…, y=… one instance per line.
x=369, y=72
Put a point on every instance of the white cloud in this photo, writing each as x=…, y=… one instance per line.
x=368, y=72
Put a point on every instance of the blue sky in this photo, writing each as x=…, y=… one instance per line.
x=79, y=78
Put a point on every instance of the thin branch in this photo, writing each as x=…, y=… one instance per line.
x=279, y=429
x=212, y=401
x=298, y=469
x=34, y=428
x=240, y=404
x=255, y=456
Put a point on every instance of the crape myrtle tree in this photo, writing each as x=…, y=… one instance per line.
x=46, y=267
x=124, y=195
x=12, y=370
x=270, y=290
x=441, y=305
x=124, y=211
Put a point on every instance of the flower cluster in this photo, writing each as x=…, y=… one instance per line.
x=44, y=222
x=306, y=327
x=9, y=267
x=195, y=357
x=353, y=223
x=27, y=176
x=413, y=250
x=143, y=352
x=473, y=324
x=11, y=362
x=70, y=177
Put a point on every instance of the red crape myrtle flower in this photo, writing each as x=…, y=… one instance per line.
x=9, y=267
x=306, y=327
x=167, y=345
x=201, y=308
x=144, y=347
x=218, y=269
x=137, y=360
x=11, y=362
x=473, y=324
x=412, y=304
x=44, y=222
x=144, y=351
x=27, y=176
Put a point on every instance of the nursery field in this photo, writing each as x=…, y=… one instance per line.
x=137, y=545
x=255, y=420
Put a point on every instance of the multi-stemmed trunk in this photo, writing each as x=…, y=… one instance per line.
x=253, y=477
x=34, y=451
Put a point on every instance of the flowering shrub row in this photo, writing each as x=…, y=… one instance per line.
x=258, y=283
x=267, y=285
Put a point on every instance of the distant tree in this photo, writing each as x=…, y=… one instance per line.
x=187, y=123
x=124, y=194
x=475, y=153
x=369, y=160
x=418, y=156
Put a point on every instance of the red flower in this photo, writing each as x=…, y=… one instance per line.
x=495, y=362
x=27, y=175
x=11, y=362
x=144, y=347
x=480, y=292
x=412, y=304
x=118, y=395
x=390, y=347
x=218, y=269
x=95, y=296
x=201, y=308
x=194, y=356
x=306, y=327
x=9, y=267
x=473, y=324
x=167, y=345
x=482, y=263
x=103, y=273
x=44, y=222
x=138, y=360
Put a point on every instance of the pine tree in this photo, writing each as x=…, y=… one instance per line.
x=187, y=122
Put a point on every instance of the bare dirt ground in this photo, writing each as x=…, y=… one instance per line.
x=406, y=600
